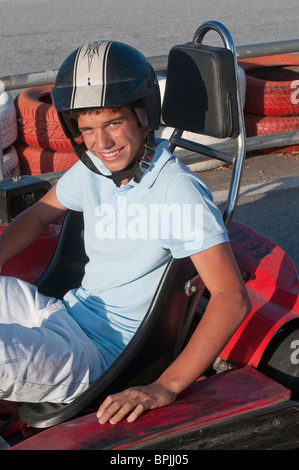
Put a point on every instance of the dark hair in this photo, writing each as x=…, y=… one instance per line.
x=75, y=113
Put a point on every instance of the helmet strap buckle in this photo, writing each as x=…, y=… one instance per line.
x=146, y=160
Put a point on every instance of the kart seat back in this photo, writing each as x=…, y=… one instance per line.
x=66, y=269
x=156, y=343
x=200, y=92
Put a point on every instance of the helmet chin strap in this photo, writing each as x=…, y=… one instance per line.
x=135, y=169
x=145, y=162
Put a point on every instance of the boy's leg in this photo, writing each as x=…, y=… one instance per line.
x=44, y=354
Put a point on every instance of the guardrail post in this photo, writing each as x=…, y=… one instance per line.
x=2, y=88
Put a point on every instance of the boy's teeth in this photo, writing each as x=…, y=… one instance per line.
x=111, y=154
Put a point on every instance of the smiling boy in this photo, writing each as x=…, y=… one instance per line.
x=107, y=93
x=115, y=136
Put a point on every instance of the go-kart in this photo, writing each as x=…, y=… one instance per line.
x=248, y=399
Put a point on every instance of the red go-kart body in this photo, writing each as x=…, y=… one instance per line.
x=226, y=410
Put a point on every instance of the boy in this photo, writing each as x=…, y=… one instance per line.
x=107, y=94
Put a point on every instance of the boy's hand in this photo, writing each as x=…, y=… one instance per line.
x=133, y=402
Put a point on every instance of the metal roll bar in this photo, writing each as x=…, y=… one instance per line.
x=238, y=159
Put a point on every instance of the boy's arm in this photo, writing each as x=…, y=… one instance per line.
x=228, y=306
x=26, y=227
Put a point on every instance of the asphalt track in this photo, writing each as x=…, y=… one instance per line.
x=38, y=34
x=269, y=197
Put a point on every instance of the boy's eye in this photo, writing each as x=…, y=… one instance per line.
x=115, y=123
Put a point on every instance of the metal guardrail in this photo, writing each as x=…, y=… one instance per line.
x=159, y=63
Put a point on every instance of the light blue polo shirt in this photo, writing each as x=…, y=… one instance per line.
x=130, y=234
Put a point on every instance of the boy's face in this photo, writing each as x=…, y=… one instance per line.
x=114, y=136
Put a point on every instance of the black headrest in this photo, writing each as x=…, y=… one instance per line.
x=201, y=90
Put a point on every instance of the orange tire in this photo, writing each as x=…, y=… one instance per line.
x=262, y=125
x=35, y=160
x=272, y=85
x=38, y=123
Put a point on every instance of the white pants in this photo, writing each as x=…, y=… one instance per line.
x=44, y=354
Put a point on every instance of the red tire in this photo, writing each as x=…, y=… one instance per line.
x=272, y=85
x=35, y=161
x=262, y=125
x=38, y=123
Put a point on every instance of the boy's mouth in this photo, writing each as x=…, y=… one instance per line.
x=109, y=156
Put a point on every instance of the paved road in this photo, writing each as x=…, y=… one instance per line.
x=269, y=197
x=38, y=34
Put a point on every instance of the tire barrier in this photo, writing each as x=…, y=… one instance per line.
x=272, y=85
x=42, y=146
x=272, y=96
x=36, y=160
x=38, y=123
x=263, y=125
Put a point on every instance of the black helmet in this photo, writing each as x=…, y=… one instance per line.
x=107, y=74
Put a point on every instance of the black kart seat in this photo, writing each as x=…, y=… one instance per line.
x=66, y=269
x=210, y=90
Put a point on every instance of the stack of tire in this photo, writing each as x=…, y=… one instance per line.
x=42, y=146
x=8, y=136
x=272, y=96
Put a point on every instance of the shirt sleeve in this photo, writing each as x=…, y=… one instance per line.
x=69, y=187
x=191, y=221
